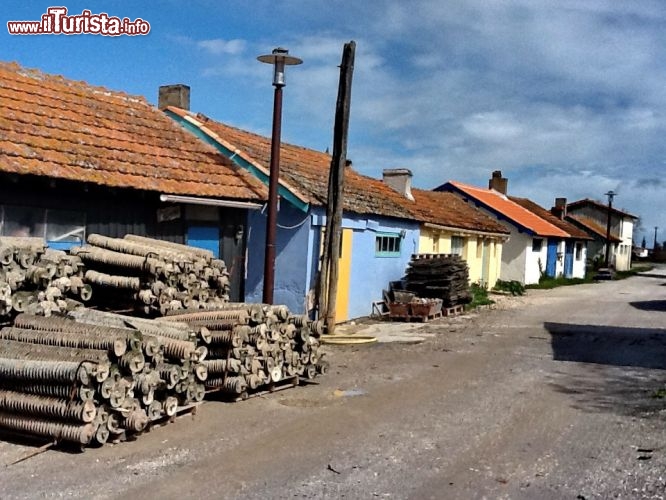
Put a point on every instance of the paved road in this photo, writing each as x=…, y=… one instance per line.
x=551, y=396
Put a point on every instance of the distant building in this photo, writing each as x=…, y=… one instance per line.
x=592, y=217
x=451, y=226
x=539, y=244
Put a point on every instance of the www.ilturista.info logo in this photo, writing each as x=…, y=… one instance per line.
x=57, y=22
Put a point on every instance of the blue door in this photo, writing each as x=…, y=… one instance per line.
x=568, y=259
x=551, y=258
x=206, y=237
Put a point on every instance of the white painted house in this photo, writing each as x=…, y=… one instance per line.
x=592, y=216
x=539, y=242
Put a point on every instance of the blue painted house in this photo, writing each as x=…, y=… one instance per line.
x=379, y=231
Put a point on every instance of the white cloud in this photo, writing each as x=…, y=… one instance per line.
x=567, y=98
x=219, y=46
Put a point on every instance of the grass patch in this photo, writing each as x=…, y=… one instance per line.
x=659, y=394
x=620, y=275
x=479, y=297
x=546, y=283
x=513, y=287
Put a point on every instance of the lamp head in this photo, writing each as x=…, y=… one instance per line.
x=279, y=58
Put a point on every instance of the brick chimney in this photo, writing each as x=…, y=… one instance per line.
x=399, y=179
x=174, y=95
x=498, y=183
x=560, y=208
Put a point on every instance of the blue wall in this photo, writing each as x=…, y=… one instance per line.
x=291, y=266
x=371, y=274
x=298, y=253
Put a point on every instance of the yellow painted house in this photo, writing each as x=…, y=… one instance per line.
x=449, y=225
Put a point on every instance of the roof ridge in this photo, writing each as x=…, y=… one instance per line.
x=40, y=76
x=199, y=115
x=508, y=199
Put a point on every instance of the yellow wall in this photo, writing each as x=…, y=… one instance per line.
x=344, y=277
x=439, y=241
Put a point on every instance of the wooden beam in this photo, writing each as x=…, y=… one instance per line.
x=336, y=183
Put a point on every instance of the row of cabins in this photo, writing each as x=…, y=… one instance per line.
x=77, y=159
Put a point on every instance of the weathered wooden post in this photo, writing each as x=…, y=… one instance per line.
x=329, y=269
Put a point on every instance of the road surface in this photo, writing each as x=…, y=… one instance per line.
x=552, y=395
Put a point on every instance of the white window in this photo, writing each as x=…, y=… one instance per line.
x=457, y=245
x=60, y=228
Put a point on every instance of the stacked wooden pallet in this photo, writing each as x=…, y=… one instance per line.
x=444, y=277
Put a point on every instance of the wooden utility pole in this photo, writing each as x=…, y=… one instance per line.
x=328, y=278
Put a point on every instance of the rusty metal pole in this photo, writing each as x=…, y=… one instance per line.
x=610, y=195
x=279, y=58
x=271, y=222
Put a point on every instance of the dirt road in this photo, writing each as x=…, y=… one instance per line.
x=551, y=396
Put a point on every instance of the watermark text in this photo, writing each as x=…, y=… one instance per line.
x=56, y=21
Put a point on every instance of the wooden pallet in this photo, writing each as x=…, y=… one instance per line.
x=453, y=310
x=286, y=383
x=423, y=256
x=182, y=411
x=416, y=317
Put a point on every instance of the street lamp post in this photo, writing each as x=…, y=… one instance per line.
x=610, y=195
x=279, y=58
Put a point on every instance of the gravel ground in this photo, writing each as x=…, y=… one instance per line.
x=550, y=395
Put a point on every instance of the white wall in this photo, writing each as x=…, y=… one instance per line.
x=623, y=252
x=579, y=264
x=532, y=269
x=514, y=253
x=559, y=264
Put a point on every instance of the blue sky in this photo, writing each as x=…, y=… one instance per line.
x=567, y=98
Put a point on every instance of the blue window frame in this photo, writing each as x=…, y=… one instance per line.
x=387, y=245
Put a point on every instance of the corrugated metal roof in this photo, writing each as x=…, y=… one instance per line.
x=501, y=204
x=54, y=127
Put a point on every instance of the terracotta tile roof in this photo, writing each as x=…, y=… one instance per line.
x=447, y=209
x=305, y=171
x=592, y=226
x=502, y=205
x=55, y=127
x=600, y=206
x=538, y=210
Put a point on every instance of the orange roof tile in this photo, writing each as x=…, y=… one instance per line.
x=55, y=127
x=593, y=227
x=573, y=231
x=501, y=204
x=305, y=171
x=447, y=209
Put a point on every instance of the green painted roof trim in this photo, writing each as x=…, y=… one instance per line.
x=238, y=160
